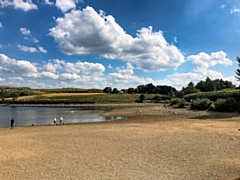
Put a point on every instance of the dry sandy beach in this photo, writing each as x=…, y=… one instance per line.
x=156, y=143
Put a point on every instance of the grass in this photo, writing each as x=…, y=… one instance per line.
x=84, y=97
x=57, y=96
x=214, y=95
x=97, y=97
x=67, y=95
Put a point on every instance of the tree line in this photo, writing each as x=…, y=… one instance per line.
x=201, y=86
x=143, y=89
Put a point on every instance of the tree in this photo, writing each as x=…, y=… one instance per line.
x=115, y=91
x=14, y=95
x=238, y=70
x=215, y=85
x=150, y=88
x=188, y=90
x=165, y=89
x=142, y=89
x=107, y=90
x=131, y=90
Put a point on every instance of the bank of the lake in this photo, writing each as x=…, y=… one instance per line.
x=153, y=143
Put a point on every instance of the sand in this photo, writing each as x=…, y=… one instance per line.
x=156, y=143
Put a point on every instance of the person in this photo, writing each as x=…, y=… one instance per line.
x=12, y=123
x=61, y=120
x=55, y=121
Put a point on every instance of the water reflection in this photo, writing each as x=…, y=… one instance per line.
x=28, y=116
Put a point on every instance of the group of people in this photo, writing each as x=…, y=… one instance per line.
x=12, y=122
x=55, y=120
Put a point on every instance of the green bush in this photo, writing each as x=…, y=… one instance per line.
x=226, y=105
x=200, y=104
x=142, y=97
x=174, y=101
x=181, y=104
x=177, y=103
x=157, y=98
x=213, y=96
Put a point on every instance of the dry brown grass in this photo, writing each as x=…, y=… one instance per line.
x=155, y=144
x=70, y=94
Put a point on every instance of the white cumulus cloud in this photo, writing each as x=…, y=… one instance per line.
x=86, y=68
x=48, y=75
x=55, y=71
x=14, y=66
x=126, y=71
x=24, y=31
x=24, y=5
x=86, y=31
x=65, y=5
x=69, y=76
x=51, y=67
x=124, y=78
x=179, y=80
x=31, y=49
x=204, y=60
x=27, y=49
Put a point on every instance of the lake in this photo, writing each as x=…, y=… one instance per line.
x=26, y=116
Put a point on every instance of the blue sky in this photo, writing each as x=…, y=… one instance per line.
x=117, y=43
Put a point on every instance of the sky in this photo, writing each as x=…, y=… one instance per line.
x=117, y=43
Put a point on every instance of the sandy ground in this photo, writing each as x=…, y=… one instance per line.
x=156, y=143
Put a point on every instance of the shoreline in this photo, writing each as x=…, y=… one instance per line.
x=142, y=112
x=78, y=105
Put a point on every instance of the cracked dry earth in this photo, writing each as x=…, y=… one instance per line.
x=139, y=147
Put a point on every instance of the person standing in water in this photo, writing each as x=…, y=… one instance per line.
x=12, y=123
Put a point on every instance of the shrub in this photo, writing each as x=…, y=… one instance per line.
x=157, y=98
x=181, y=104
x=226, y=105
x=177, y=103
x=174, y=101
x=142, y=97
x=165, y=97
x=213, y=96
x=200, y=104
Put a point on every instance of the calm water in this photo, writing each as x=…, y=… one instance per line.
x=26, y=116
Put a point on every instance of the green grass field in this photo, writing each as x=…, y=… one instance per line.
x=83, y=97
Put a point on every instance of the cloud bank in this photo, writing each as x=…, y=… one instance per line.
x=88, y=32
x=57, y=70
